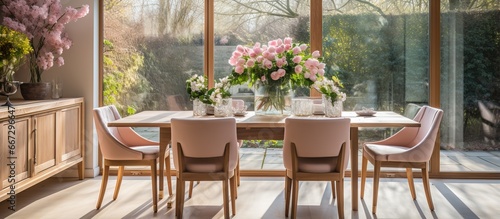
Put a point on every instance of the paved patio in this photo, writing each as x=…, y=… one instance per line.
x=272, y=158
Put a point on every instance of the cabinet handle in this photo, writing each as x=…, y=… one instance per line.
x=34, y=143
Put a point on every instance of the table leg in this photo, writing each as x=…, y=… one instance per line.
x=354, y=168
x=164, y=142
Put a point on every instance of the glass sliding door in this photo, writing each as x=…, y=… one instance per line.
x=470, y=86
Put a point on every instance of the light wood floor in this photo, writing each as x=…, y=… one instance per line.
x=257, y=198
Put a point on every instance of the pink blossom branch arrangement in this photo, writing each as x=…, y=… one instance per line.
x=43, y=21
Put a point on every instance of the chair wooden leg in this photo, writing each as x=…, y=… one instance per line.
x=104, y=183
x=233, y=189
x=427, y=189
x=169, y=177
x=288, y=188
x=178, y=194
x=182, y=189
x=119, y=178
x=154, y=188
x=190, y=192
x=238, y=173
x=376, y=178
x=225, y=191
x=333, y=189
x=295, y=195
x=409, y=175
x=340, y=199
x=364, y=168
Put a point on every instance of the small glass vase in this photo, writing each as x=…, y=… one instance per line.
x=332, y=109
x=199, y=108
x=224, y=108
x=275, y=99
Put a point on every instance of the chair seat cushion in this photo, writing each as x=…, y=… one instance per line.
x=204, y=165
x=385, y=152
x=317, y=165
x=148, y=151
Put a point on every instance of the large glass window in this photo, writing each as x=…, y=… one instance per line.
x=247, y=22
x=379, y=50
x=150, y=48
x=470, y=86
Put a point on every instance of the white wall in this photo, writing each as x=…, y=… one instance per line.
x=79, y=75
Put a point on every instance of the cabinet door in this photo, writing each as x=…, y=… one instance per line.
x=45, y=141
x=69, y=133
x=21, y=135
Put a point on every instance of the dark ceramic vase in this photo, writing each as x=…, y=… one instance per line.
x=36, y=91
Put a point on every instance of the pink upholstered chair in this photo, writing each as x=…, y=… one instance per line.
x=315, y=150
x=236, y=103
x=122, y=146
x=205, y=149
x=409, y=148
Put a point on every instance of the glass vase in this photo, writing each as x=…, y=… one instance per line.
x=224, y=108
x=199, y=108
x=274, y=99
x=332, y=109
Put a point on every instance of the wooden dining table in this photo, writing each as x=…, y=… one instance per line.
x=259, y=127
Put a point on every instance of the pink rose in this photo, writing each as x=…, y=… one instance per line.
x=263, y=78
x=316, y=54
x=321, y=65
x=241, y=61
x=268, y=64
x=307, y=75
x=297, y=59
x=281, y=72
x=237, y=54
x=303, y=47
x=240, y=49
x=296, y=50
x=298, y=69
x=250, y=62
x=279, y=63
x=271, y=49
x=271, y=56
x=272, y=43
x=309, y=64
x=60, y=61
x=314, y=71
x=252, y=54
x=259, y=59
x=288, y=46
x=265, y=54
x=279, y=42
x=239, y=69
x=275, y=76
x=257, y=50
x=313, y=77
x=280, y=49
x=256, y=45
x=288, y=40
x=321, y=72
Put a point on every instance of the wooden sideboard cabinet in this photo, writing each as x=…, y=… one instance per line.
x=48, y=138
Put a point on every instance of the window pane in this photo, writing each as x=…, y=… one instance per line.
x=151, y=47
x=470, y=86
x=379, y=50
x=246, y=22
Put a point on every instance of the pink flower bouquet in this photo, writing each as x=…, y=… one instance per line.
x=43, y=22
x=278, y=66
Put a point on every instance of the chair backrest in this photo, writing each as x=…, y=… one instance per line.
x=315, y=137
x=111, y=142
x=411, y=110
x=205, y=138
x=490, y=118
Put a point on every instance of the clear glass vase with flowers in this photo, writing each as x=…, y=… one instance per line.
x=274, y=70
x=197, y=88
x=220, y=97
x=333, y=98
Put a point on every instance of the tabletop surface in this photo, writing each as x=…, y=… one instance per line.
x=249, y=120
